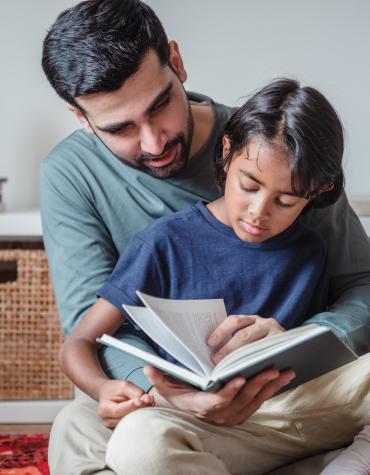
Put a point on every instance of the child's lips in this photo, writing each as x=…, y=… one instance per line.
x=253, y=228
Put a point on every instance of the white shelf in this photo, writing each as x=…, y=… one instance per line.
x=20, y=224
x=29, y=412
x=23, y=224
x=366, y=223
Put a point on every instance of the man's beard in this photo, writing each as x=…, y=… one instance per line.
x=178, y=163
x=182, y=143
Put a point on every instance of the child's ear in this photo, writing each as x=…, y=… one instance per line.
x=326, y=188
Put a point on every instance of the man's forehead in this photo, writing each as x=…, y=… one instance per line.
x=133, y=97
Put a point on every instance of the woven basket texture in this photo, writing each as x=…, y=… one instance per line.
x=30, y=334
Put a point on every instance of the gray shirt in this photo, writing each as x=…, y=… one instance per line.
x=92, y=204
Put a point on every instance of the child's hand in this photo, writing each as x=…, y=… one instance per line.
x=237, y=330
x=119, y=398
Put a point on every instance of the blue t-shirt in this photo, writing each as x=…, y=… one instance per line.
x=192, y=255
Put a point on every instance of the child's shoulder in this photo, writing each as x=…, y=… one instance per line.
x=179, y=221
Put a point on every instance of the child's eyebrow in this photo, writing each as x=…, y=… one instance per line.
x=252, y=177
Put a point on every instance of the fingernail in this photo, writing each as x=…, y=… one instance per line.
x=239, y=384
x=213, y=340
x=288, y=380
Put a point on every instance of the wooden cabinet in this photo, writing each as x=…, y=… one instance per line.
x=32, y=386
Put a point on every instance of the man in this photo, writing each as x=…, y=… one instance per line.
x=146, y=150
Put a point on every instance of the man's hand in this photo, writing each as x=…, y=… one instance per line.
x=231, y=405
x=238, y=330
x=119, y=398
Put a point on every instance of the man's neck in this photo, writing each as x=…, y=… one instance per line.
x=203, y=117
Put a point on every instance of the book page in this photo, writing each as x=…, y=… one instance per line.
x=158, y=332
x=191, y=321
x=166, y=366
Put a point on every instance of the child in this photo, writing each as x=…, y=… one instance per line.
x=281, y=153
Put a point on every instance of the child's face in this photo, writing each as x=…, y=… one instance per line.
x=258, y=202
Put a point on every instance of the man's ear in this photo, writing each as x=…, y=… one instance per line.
x=176, y=61
x=225, y=151
x=81, y=117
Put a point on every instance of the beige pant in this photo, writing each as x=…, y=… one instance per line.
x=321, y=415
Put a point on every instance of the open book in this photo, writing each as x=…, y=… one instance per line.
x=181, y=327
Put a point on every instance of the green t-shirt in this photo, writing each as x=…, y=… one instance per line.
x=92, y=204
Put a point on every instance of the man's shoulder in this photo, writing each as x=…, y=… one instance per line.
x=222, y=111
x=79, y=143
x=310, y=237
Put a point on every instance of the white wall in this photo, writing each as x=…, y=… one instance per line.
x=32, y=117
x=229, y=48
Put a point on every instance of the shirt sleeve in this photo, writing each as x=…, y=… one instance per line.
x=348, y=313
x=80, y=252
x=136, y=269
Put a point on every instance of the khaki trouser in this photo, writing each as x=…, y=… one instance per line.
x=320, y=415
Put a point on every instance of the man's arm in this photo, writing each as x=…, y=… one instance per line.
x=348, y=314
x=81, y=253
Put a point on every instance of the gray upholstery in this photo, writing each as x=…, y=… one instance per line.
x=309, y=466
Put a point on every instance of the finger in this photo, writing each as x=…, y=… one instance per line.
x=209, y=405
x=228, y=327
x=243, y=398
x=161, y=381
x=241, y=338
x=271, y=388
x=268, y=390
x=147, y=399
x=253, y=386
x=128, y=390
x=112, y=410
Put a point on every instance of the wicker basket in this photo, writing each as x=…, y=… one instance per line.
x=30, y=334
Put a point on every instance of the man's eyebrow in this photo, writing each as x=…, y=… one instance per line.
x=118, y=126
x=160, y=97
x=252, y=177
x=115, y=127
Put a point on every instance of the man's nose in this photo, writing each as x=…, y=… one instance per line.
x=152, y=140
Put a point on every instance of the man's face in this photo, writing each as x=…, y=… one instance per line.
x=147, y=123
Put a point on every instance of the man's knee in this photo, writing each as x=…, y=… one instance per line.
x=143, y=442
x=78, y=439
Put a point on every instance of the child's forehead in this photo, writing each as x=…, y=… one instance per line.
x=259, y=149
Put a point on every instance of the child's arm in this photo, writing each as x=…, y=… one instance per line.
x=79, y=360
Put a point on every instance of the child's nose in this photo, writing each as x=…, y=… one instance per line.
x=260, y=208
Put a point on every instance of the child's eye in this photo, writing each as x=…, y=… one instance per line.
x=284, y=205
x=247, y=189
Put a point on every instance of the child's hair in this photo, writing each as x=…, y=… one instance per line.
x=301, y=121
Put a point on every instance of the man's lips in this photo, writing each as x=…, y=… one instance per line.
x=163, y=160
x=252, y=228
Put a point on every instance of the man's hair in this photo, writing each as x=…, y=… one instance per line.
x=96, y=45
x=300, y=121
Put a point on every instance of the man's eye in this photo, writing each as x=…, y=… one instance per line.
x=161, y=105
x=121, y=131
